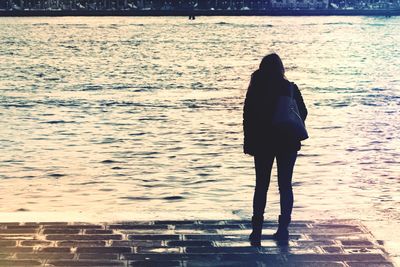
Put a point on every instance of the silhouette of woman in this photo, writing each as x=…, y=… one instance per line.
x=265, y=143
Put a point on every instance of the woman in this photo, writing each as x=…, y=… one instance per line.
x=265, y=144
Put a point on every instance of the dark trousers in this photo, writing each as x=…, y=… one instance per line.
x=263, y=164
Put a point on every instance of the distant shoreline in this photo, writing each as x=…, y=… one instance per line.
x=270, y=12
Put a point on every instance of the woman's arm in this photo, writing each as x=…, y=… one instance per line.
x=300, y=103
x=248, y=116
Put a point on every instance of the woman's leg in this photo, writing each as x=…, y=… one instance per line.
x=285, y=163
x=263, y=166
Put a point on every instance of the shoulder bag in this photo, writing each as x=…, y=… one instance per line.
x=287, y=119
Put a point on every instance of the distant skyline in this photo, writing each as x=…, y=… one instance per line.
x=234, y=5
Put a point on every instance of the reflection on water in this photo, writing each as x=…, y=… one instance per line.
x=145, y=114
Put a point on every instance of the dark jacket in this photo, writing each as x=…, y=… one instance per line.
x=259, y=106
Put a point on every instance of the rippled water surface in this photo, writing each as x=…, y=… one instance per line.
x=145, y=114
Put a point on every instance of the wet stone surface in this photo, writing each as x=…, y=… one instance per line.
x=202, y=243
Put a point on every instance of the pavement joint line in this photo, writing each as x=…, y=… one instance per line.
x=124, y=236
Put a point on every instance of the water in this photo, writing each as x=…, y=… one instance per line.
x=144, y=115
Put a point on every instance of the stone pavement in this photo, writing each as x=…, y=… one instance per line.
x=187, y=243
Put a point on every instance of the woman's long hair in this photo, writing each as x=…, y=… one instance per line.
x=271, y=66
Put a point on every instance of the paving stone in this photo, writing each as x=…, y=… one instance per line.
x=242, y=243
x=55, y=249
x=216, y=237
x=17, y=236
x=7, y=243
x=321, y=237
x=174, y=222
x=49, y=223
x=43, y=255
x=27, y=263
x=98, y=256
x=314, y=264
x=9, y=223
x=153, y=237
x=338, y=228
x=369, y=264
x=61, y=231
x=137, y=226
x=195, y=231
x=18, y=227
x=269, y=258
x=333, y=249
x=166, y=256
x=362, y=250
x=159, y=250
x=138, y=243
x=83, y=237
x=131, y=222
x=265, y=226
x=326, y=231
x=98, y=231
x=190, y=243
x=104, y=249
x=335, y=225
x=83, y=243
x=74, y=226
x=226, y=263
x=150, y=263
x=297, y=224
x=145, y=231
x=240, y=221
x=313, y=243
x=209, y=250
x=234, y=231
x=211, y=222
x=31, y=243
x=337, y=257
x=19, y=231
x=299, y=250
x=5, y=255
x=84, y=224
x=15, y=249
x=292, y=237
x=363, y=243
x=73, y=263
x=208, y=226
